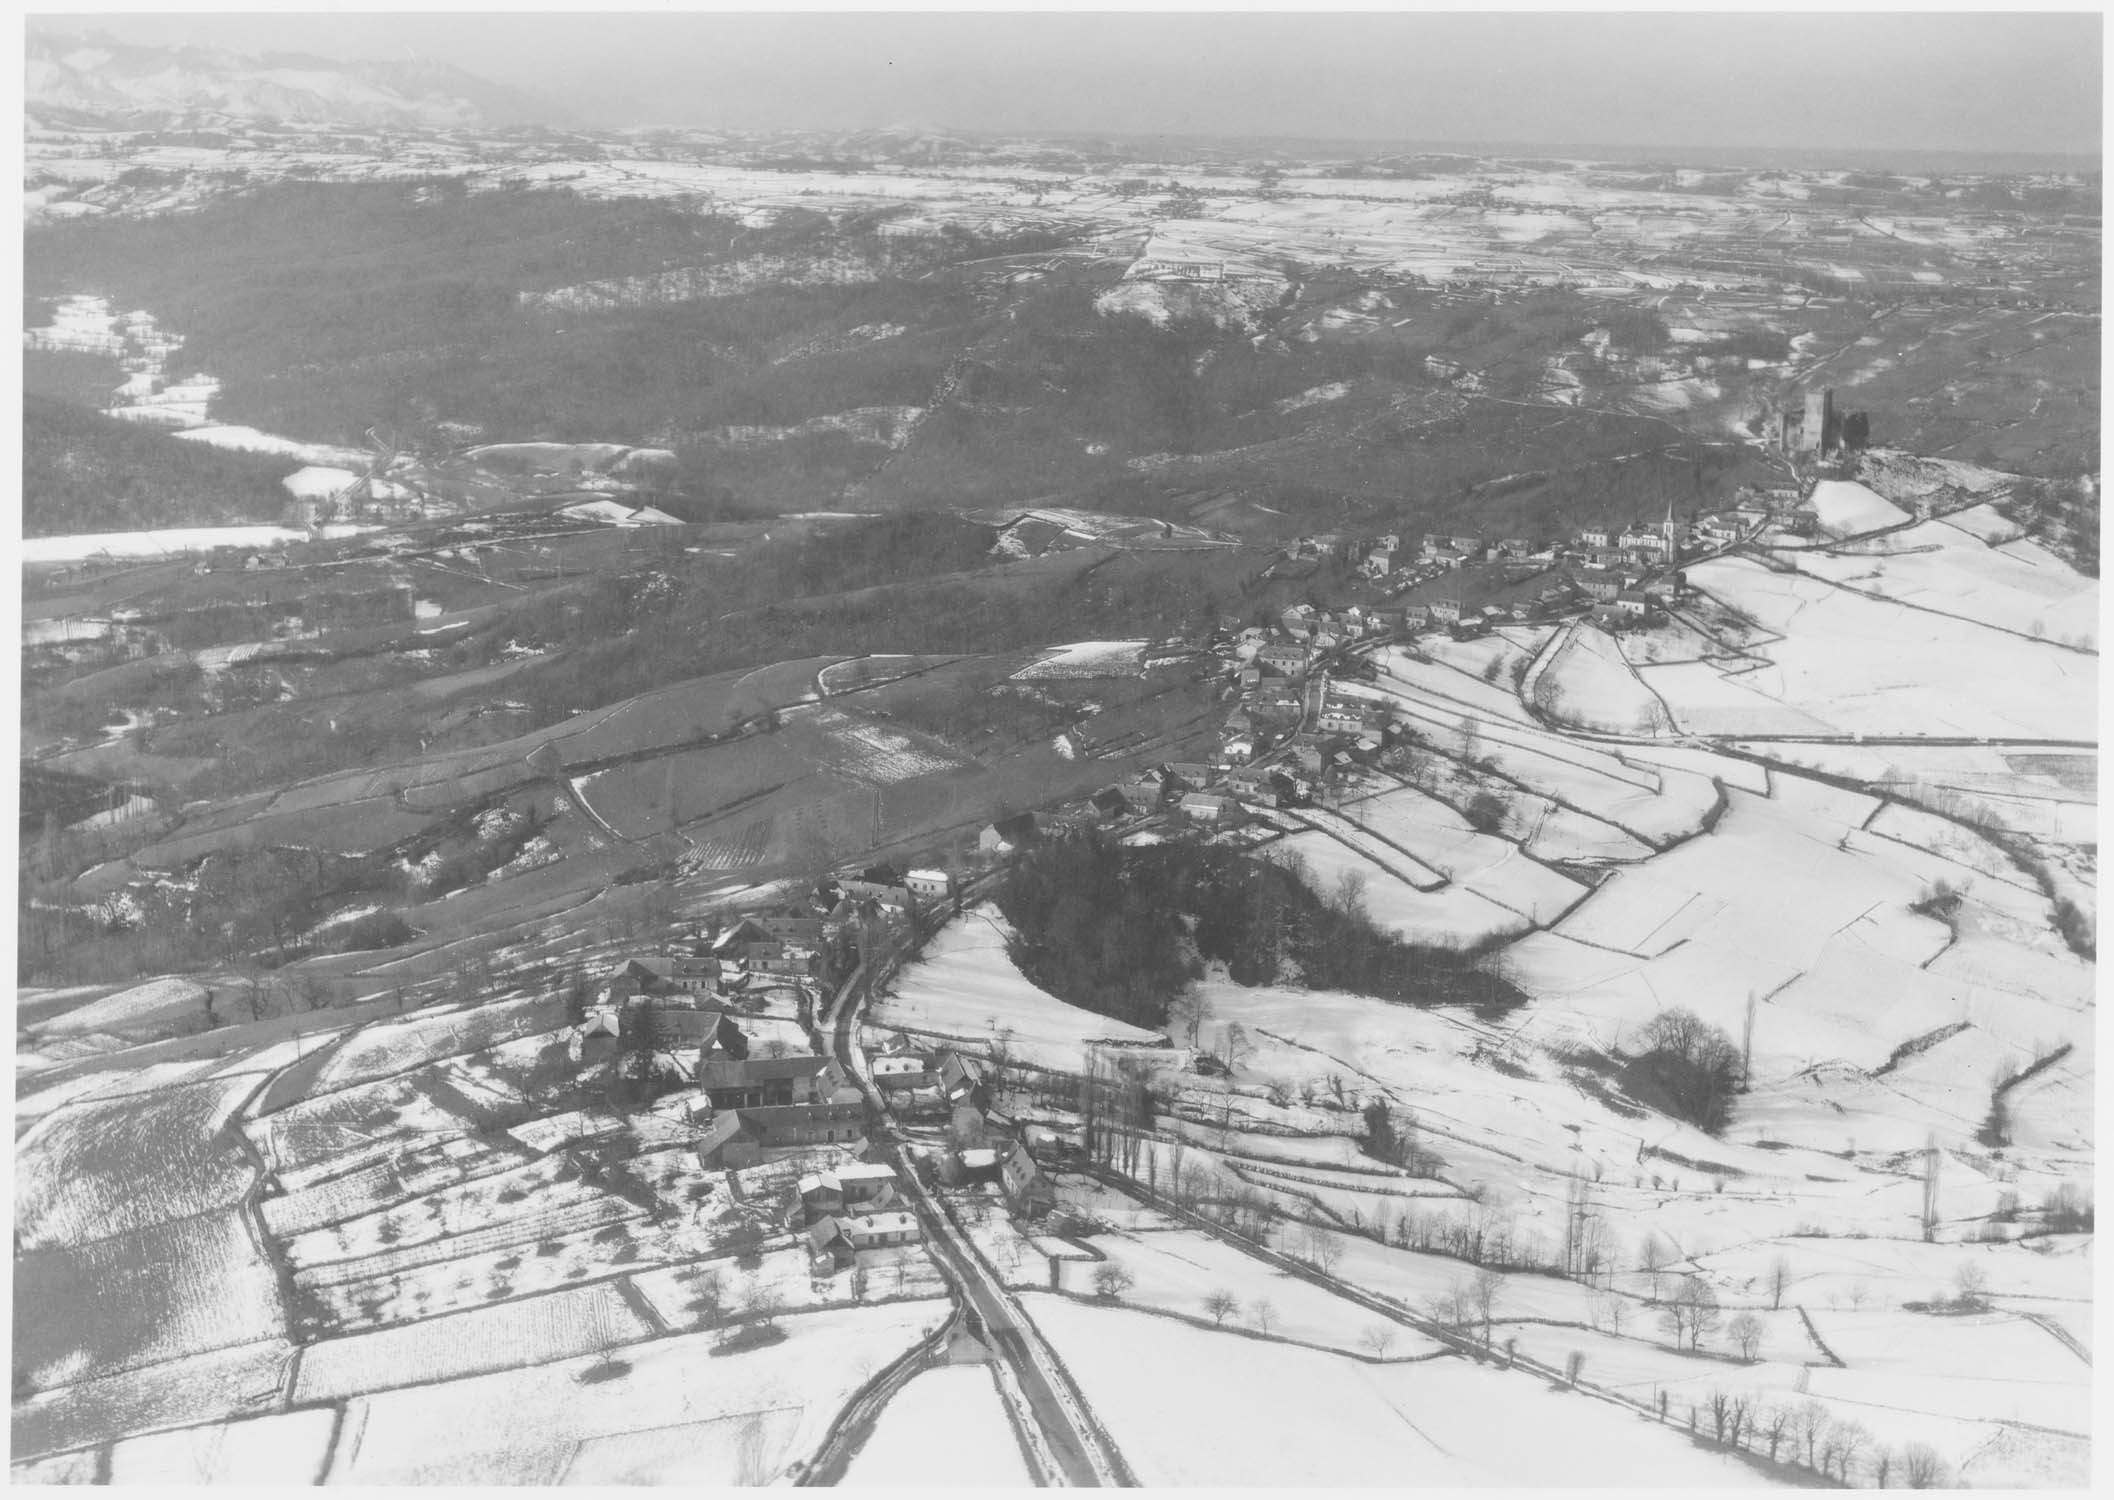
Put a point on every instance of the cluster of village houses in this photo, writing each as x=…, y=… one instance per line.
x=1289, y=732
x=742, y=1104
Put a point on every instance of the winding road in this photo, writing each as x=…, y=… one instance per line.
x=1066, y=1446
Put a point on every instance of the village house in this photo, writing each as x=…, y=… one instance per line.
x=752, y=1082
x=1379, y=562
x=1217, y=812
x=1599, y=586
x=1009, y=834
x=801, y=936
x=1599, y=538
x=662, y=974
x=1254, y=784
x=1636, y=603
x=1029, y=1192
x=883, y=900
x=1445, y=611
x=1189, y=775
x=1718, y=526
x=737, y=1138
x=1286, y=661
x=856, y=1187
x=1108, y=804
x=965, y=1078
x=928, y=885
x=1142, y=792
x=1344, y=718
x=905, y=1070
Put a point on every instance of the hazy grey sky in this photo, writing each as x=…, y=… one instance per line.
x=1894, y=82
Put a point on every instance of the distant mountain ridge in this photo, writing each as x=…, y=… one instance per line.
x=104, y=80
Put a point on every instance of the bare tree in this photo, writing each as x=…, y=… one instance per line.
x=1264, y=1311
x=1858, y=1292
x=1844, y=1442
x=1746, y=1331
x=1921, y=1468
x=1773, y=1424
x=1609, y=1312
x=1779, y=1282
x=1324, y=1250
x=1690, y=1312
x=1741, y=1419
x=1971, y=1285
x=1188, y=1011
x=1111, y=1280
x=1658, y=1255
x=1809, y=1423
x=1487, y=1287
x=1379, y=1338
x=1719, y=1405
x=1222, y=1305
x=1455, y=1307
x=1234, y=1046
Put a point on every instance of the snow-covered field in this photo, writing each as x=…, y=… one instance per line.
x=1846, y=507
x=2018, y=586
x=287, y=1449
x=156, y=1000
x=532, y=1331
x=1177, y=1268
x=874, y=752
x=97, y=1168
x=1454, y=916
x=1195, y=1406
x=964, y=986
x=1864, y=665
x=1088, y=659
x=946, y=1429
x=1589, y=684
x=666, y=1412
x=250, y=440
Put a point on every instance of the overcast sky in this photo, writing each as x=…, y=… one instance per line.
x=1889, y=82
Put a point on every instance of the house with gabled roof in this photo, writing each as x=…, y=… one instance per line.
x=751, y=1082
x=1008, y=834
x=965, y=1079
x=738, y=1137
x=1029, y=1192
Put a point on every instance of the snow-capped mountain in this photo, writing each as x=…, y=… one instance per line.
x=112, y=81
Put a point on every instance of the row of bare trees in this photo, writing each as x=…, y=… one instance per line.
x=1808, y=1433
